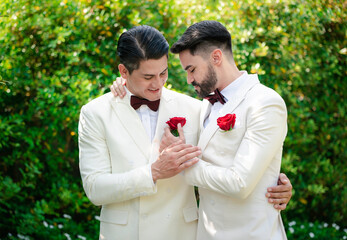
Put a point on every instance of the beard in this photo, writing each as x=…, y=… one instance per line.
x=208, y=84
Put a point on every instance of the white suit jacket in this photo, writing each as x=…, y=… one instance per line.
x=115, y=158
x=237, y=166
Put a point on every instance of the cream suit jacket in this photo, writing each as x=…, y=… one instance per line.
x=115, y=158
x=237, y=166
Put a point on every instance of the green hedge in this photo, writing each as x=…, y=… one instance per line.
x=56, y=56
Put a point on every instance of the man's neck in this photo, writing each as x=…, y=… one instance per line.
x=227, y=74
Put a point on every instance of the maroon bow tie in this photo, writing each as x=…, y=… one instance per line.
x=217, y=96
x=136, y=102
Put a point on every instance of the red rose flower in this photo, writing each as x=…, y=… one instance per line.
x=173, y=124
x=227, y=122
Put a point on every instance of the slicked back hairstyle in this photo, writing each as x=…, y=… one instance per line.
x=139, y=44
x=203, y=36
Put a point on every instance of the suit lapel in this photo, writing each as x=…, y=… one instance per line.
x=132, y=123
x=166, y=109
x=229, y=107
x=205, y=111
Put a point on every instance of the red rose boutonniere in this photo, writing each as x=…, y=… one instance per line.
x=173, y=124
x=227, y=122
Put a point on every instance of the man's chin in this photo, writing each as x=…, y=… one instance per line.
x=200, y=94
x=154, y=96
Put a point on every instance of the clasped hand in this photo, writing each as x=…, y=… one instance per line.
x=174, y=159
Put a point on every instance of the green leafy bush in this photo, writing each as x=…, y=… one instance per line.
x=56, y=56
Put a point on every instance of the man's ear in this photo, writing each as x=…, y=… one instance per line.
x=216, y=57
x=123, y=71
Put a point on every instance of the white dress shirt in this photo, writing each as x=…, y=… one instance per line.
x=148, y=118
x=228, y=93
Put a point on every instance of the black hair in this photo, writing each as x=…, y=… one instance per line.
x=141, y=43
x=202, y=36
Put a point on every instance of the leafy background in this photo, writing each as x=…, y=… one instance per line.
x=56, y=56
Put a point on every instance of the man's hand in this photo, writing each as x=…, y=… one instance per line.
x=168, y=139
x=280, y=195
x=117, y=88
x=174, y=159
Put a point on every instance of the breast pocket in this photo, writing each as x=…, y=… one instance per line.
x=230, y=138
x=226, y=143
x=191, y=138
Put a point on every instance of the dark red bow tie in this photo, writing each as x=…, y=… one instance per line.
x=136, y=102
x=217, y=96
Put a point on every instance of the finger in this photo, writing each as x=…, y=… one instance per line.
x=168, y=138
x=188, y=154
x=123, y=81
x=280, y=188
x=188, y=163
x=167, y=132
x=113, y=91
x=180, y=132
x=177, y=146
x=164, y=143
x=283, y=179
x=278, y=200
x=120, y=85
x=116, y=87
x=280, y=206
x=285, y=194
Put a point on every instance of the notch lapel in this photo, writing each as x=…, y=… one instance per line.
x=205, y=111
x=228, y=107
x=167, y=108
x=132, y=123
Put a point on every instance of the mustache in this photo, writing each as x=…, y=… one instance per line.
x=195, y=84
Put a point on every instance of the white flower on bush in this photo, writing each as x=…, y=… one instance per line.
x=45, y=224
x=337, y=227
x=81, y=237
x=67, y=216
x=291, y=223
x=311, y=235
x=97, y=218
x=291, y=230
x=20, y=236
x=67, y=236
x=60, y=226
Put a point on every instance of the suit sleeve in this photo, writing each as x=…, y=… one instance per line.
x=100, y=184
x=264, y=136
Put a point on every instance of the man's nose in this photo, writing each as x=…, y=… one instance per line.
x=157, y=81
x=190, y=78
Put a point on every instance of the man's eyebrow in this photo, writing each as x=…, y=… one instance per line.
x=165, y=69
x=187, y=67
